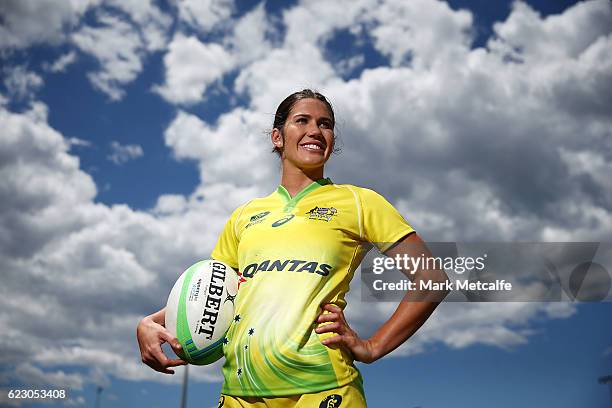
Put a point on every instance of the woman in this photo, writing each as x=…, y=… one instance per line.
x=289, y=343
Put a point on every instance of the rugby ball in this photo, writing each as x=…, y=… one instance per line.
x=200, y=309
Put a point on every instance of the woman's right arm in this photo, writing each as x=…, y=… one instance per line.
x=151, y=334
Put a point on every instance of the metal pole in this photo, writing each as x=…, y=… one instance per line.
x=607, y=380
x=184, y=393
x=98, y=392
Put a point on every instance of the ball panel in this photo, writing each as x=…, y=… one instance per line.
x=209, y=354
x=172, y=305
x=183, y=333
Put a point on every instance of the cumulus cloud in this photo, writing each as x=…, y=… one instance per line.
x=37, y=377
x=484, y=131
x=149, y=20
x=96, y=269
x=191, y=138
x=117, y=47
x=526, y=36
x=28, y=22
x=62, y=62
x=204, y=14
x=124, y=32
x=20, y=83
x=265, y=80
x=250, y=36
x=121, y=154
x=398, y=31
x=349, y=65
x=191, y=66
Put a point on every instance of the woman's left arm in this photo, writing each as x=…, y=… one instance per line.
x=413, y=310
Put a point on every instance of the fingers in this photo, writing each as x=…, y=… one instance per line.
x=175, y=362
x=334, y=319
x=150, y=339
x=329, y=317
x=330, y=307
x=347, y=342
x=333, y=341
x=176, y=347
x=170, y=339
x=159, y=362
x=335, y=327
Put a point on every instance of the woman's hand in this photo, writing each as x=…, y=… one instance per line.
x=151, y=335
x=362, y=350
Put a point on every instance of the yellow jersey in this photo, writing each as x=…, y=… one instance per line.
x=295, y=254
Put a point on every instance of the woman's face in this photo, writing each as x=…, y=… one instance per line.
x=308, y=135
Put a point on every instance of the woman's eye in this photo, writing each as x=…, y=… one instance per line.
x=301, y=120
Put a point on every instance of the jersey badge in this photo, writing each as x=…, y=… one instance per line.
x=322, y=213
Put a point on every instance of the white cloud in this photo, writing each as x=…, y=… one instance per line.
x=126, y=260
x=75, y=141
x=35, y=377
x=249, y=40
x=152, y=22
x=28, y=22
x=422, y=30
x=62, y=62
x=191, y=66
x=284, y=70
x=240, y=134
x=118, y=49
x=525, y=35
x=20, y=83
x=323, y=18
x=204, y=14
x=348, y=65
x=121, y=154
x=119, y=40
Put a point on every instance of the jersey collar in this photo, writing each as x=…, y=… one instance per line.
x=290, y=202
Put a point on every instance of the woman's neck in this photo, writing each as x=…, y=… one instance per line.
x=295, y=180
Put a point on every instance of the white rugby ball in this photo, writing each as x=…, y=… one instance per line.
x=200, y=309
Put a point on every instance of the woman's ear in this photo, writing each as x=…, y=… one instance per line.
x=277, y=138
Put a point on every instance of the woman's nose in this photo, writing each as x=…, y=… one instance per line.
x=313, y=129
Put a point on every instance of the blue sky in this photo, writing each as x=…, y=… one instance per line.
x=132, y=130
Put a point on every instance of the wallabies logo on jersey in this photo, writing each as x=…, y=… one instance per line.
x=322, y=213
x=331, y=401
